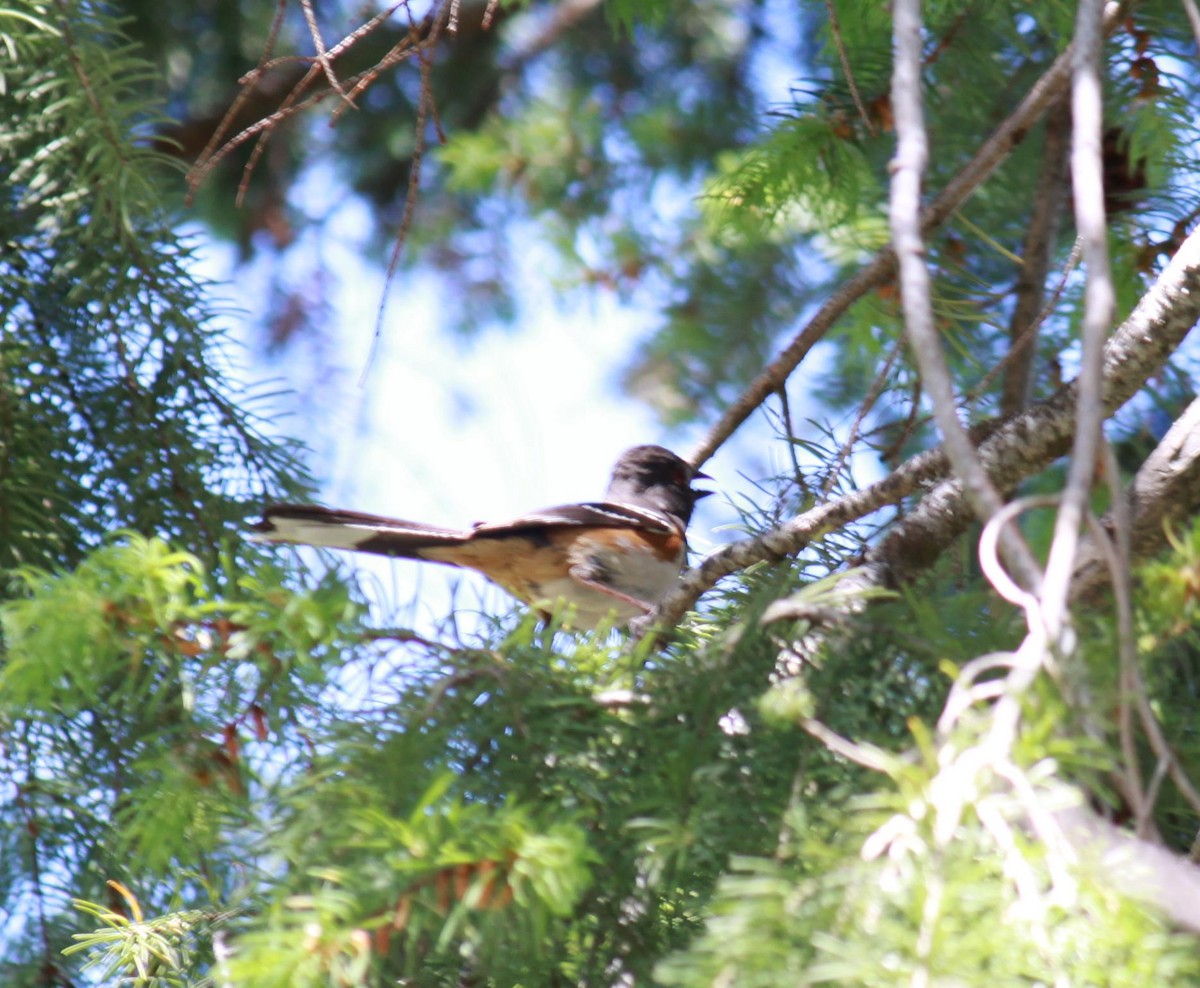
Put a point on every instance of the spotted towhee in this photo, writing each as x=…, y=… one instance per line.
x=605, y=559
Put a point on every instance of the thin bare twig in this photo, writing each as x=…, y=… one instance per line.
x=1160, y=746
x=785, y=415
x=913, y=421
x=1152, y=789
x=1087, y=173
x=864, y=409
x=836, y=30
x=1028, y=335
x=266, y=132
x=1131, y=676
x=989, y=541
x=401, y=50
x=980, y=388
x=1036, y=254
x=218, y=147
x=1017, y=447
x=323, y=59
x=249, y=82
x=1117, y=555
x=425, y=105
x=1122, y=577
x=868, y=756
x=1165, y=490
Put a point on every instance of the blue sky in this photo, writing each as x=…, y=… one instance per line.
x=448, y=430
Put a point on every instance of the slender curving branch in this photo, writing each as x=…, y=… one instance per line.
x=1193, y=16
x=908, y=167
x=1087, y=173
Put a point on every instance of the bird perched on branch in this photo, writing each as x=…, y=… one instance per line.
x=608, y=560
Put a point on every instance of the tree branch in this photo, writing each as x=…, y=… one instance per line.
x=882, y=266
x=1138, y=869
x=1036, y=254
x=1014, y=450
x=1087, y=172
x=1165, y=491
x=1027, y=443
x=1193, y=15
x=907, y=168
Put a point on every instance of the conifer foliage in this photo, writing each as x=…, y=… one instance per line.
x=927, y=722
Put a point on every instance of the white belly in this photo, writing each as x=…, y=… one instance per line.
x=643, y=576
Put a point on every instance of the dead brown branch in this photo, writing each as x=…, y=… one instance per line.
x=301, y=96
x=1037, y=252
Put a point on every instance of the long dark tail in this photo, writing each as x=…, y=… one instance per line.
x=330, y=528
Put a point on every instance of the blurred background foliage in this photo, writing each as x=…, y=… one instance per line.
x=219, y=770
x=709, y=161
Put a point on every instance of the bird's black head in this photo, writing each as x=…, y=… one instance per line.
x=654, y=477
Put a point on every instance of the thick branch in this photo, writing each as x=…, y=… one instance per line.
x=1026, y=444
x=1164, y=493
x=1015, y=450
x=1138, y=869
